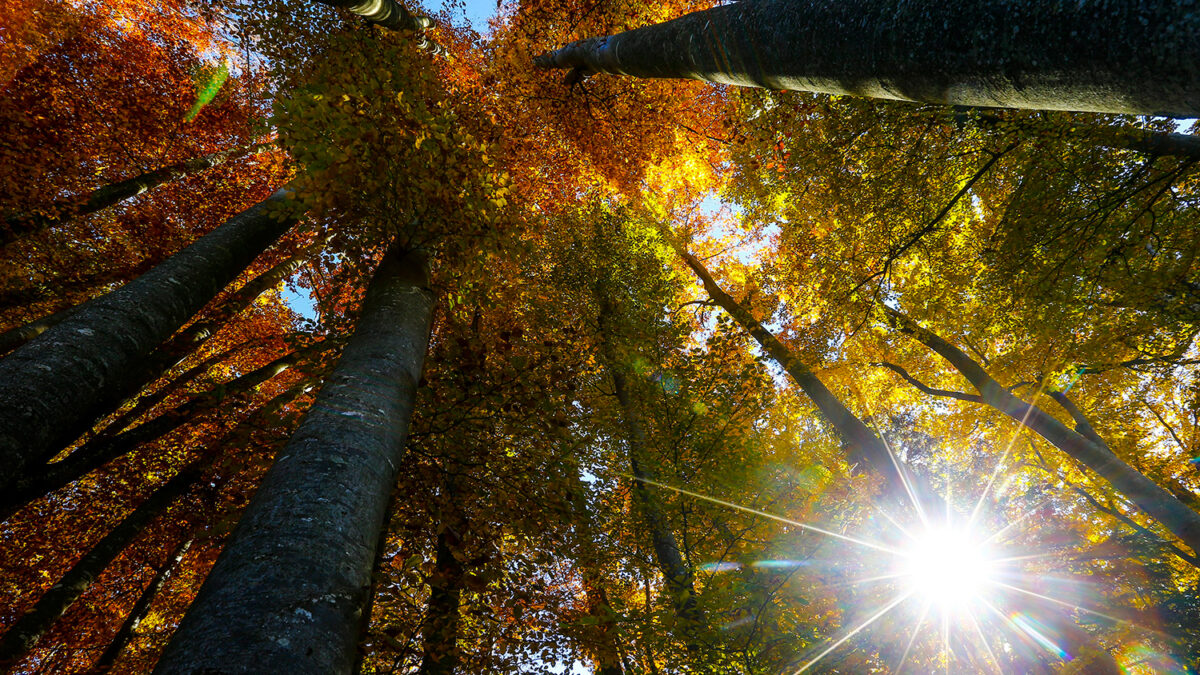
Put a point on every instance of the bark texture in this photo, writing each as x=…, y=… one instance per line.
x=1082, y=444
x=56, y=386
x=102, y=198
x=15, y=337
x=30, y=628
x=288, y=591
x=1140, y=56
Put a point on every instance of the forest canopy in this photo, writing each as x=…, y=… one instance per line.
x=613, y=337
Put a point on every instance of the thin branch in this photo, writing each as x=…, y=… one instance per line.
x=962, y=396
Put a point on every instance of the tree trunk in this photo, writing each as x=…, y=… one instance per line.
x=287, y=592
x=439, y=649
x=102, y=198
x=15, y=337
x=30, y=628
x=385, y=13
x=55, y=387
x=1145, y=493
x=1120, y=57
x=141, y=608
x=102, y=450
x=677, y=577
x=863, y=445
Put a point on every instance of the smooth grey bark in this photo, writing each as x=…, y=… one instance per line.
x=288, y=591
x=1080, y=444
x=30, y=628
x=862, y=444
x=58, y=385
x=101, y=450
x=1140, y=56
x=141, y=608
x=114, y=193
x=15, y=337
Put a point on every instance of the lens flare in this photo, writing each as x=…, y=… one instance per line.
x=947, y=567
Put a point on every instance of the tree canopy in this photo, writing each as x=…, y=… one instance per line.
x=348, y=337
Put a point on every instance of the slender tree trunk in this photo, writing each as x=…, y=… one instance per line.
x=1150, y=497
x=55, y=387
x=677, y=577
x=141, y=608
x=1122, y=57
x=114, y=193
x=287, y=592
x=30, y=628
x=439, y=649
x=862, y=444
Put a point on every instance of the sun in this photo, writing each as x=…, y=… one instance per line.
x=947, y=567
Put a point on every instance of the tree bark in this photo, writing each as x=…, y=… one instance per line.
x=114, y=193
x=1120, y=57
x=30, y=628
x=386, y=13
x=287, y=592
x=141, y=608
x=102, y=450
x=56, y=386
x=15, y=337
x=1156, y=502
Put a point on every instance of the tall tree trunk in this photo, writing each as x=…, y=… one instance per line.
x=439, y=648
x=287, y=592
x=677, y=576
x=101, y=450
x=863, y=445
x=1121, y=57
x=114, y=193
x=55, y=387
x=141, y=608
x=30, y=628
x=1082, y=444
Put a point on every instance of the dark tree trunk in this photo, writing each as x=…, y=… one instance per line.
x=30, y=628
x=287, y=592
x=1079, y=444
x=863, y=445
x=102, y=450
x=439, y=649
x=55, y=387
x=102, y=198
x=677, y=576
x=1122, y=57
x=141, y=608
x=15, y=337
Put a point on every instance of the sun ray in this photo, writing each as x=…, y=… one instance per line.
x=984, y=642
x=866, y=580
x=913, y=638
x=847, y=636
x=908, y=489
x=764, y=514
x=1004, y=455
x=1064, y=603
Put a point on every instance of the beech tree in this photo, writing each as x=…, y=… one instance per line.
x=1011, y=54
